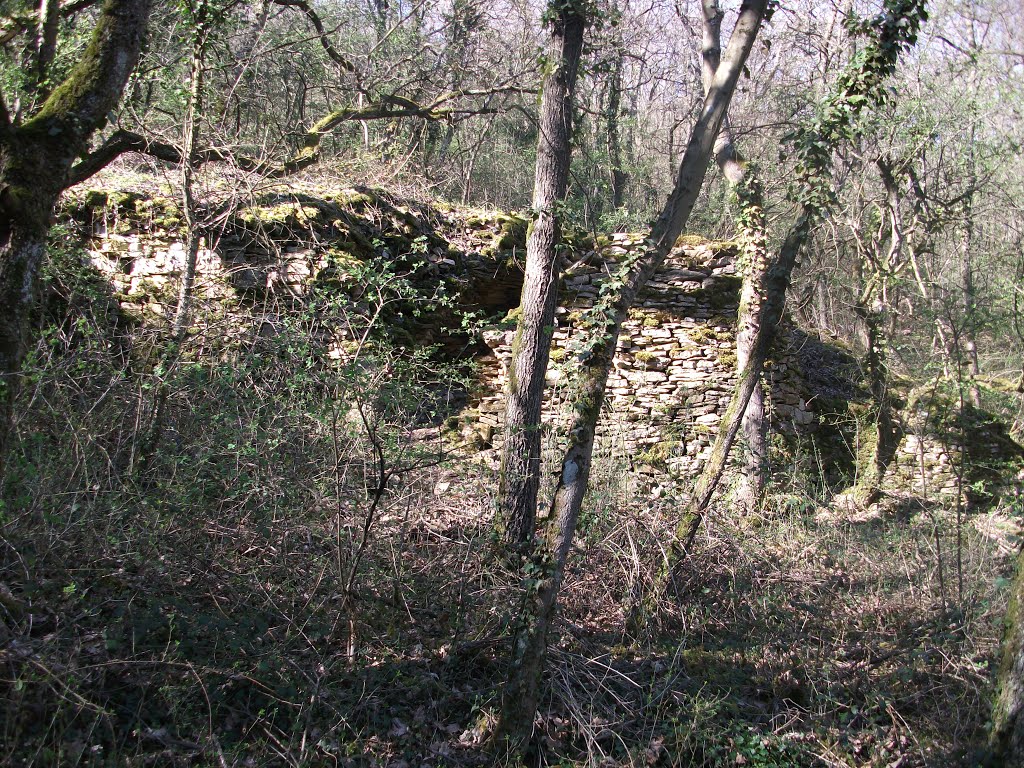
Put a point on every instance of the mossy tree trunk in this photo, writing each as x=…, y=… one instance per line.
x=754, y=257
x=520, y=456
x=1006, y=741
x=880, y=256
x=522, y=692
x=771, y=292
x=35, y=159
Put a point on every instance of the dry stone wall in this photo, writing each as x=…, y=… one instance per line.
x=946, y=453
x=674, y=369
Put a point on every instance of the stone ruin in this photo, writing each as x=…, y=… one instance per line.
x=675, y=365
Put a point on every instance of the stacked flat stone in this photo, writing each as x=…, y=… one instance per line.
x=674, y=368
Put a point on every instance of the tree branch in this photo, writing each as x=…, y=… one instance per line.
x=321, y=32
x=80, y=105
x=123, y=141
x=117, y=144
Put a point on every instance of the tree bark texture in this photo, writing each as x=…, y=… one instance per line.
x=35, y=158
x=523, y=687
x=751, y=223
x=520, y=457
x=772, y=300
x=1006, y=741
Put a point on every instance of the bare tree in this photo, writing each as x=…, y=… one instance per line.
x=521, y=694
x=520, y=456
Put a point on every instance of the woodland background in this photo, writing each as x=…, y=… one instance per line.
x=247, y=525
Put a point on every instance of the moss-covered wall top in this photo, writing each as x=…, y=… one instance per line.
x=674, y=368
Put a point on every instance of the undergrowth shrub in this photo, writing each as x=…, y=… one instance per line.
x=206, y=512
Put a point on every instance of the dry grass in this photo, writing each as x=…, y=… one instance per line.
x=250, y=593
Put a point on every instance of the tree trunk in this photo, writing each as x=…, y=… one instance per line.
x=618, y=175
x=35, y=158
x=519, y=703
x=870, y=305
x=760, y=310
x=885, y=438
x=967, y=275
x=753, y=233
x=970, y=314
x=772, y=300
x=1006, y=741
x=45, y=46
x=520, y=456
x=22, y=247
x=190, y=140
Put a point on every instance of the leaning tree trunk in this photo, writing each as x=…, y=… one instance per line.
x=1006, y=741
x=771, y=298
x=754, y=264
x=520, y=455
x=519, y=704
x=884, y=440
x=35, y=158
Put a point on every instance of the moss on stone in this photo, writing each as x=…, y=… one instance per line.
x=159, y=213
x=290, y=214
x=690, y=241
x=650, y=318
x=709, y=334
x=658, y=455
x=511, y=232
x=357, y=199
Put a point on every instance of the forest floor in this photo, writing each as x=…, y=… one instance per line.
x=158, y=636
x=237, y=551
